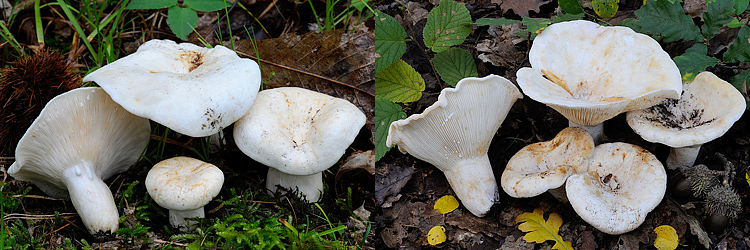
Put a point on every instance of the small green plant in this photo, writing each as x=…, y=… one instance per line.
x=182, y=18
x=332, y=20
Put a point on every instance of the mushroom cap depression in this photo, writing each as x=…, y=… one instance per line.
x=81, y=125
x=541, y=166
x=590, y=73
x=454, y=134
x=298, y=131
x=623, y=184
x=709, y=106
x=183, y=183
x=193, y=90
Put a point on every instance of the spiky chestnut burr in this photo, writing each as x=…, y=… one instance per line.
x=702, y=180
x=25, y=87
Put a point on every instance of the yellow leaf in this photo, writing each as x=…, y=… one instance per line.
x=666, y=238
x=538, y=230
x=446, y=204
x=436, y=235
x=747, y=178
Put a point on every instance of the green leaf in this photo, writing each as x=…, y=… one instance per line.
x=740, y=6
x=182, y=21
x=742, y=83
x=359, y=4
x=739, y=50
x=454, y=64
x=570, y=6
x=150, y=4
x=389, y=40
x=206, y=5
x=694, y=61
x=534, y=26
x=668, y=20
x=399, y=82
x=735, y=23
x=386, y=112
x=564, y=17
x=605, y=8
x=448, y=24
x=495, y=21
x=716, y=16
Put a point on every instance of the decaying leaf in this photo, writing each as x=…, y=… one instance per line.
x=538, y=230
x=436, y=235
x=389, y=180
x=666, y=238
x=521, y=7
x=332, y=62
x=446, y=204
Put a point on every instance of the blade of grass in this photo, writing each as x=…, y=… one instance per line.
x=9, y=38
x=66, y=8
x=317, y=18
x=38, y=24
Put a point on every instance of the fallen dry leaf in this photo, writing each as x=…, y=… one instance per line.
x=521, y=7
x=332, y=62
x=389, y=180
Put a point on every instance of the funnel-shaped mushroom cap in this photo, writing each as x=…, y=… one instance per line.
x=298, y=131
x=707, y=109
x=542, y=166
x=623, y=184
x=454, y=134
x=590, y=73
x=80, y=138
x=192, y=90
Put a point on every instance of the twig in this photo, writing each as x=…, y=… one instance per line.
x=158, y=241
x=38, y=216
x=173, y=142
x=303, y=72
x=37, y=197
x=270, y=6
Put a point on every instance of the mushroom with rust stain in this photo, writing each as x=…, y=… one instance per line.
x=590, y=73
x=298, y=133
x=184, y=186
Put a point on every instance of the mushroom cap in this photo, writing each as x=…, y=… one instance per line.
x=590, y=73
x=192, y=90
x=709, y=106
x=183, y=183
x=79, y=127
x=460, y=125
x=623, y=184
x=542, y=166
x=298, y=131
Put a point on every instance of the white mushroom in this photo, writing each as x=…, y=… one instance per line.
x=184, y=186
x=623, y=184
x=298, y=133
x=80, y=138
x=543, y=166
x=454, y=134
x=707, y=109
x=590, y=73
x=192, y=90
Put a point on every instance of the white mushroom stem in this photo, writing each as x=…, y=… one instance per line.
x=309, y=185
x=178, y=218
x=92, y=199
x=474, y=184
x=596, y=131
x=683, y=157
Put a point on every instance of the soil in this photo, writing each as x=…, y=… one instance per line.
x=407, y=188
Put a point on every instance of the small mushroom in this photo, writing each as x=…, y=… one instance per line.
x=543, y=166
x=454, y=134
x=623, y=184
x=80, y=138
x=298, y=133
x=184, y=186
x=192, y=90
x=709, y=106
x=590, y=73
